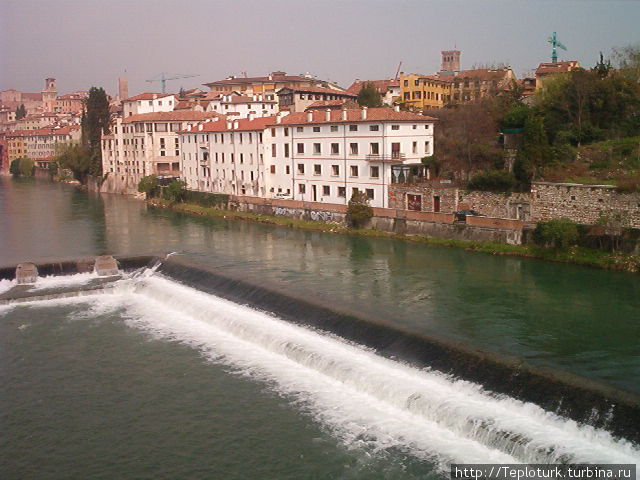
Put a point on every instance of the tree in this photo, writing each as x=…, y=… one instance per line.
x=613, y=224
x=535, y=145
x=358, y=210
x=21, y=112
x=369, y=96
x=175, y=191
x=493, y=181
x=148, y=185
x=76, y=158
x=433, y=164
x=558, y=233
x=94, y=121
x=21, y=167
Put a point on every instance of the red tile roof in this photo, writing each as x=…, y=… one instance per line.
x=481, y=74
x=147, y=96
x=320, y=104
x=381, y=85
x=244, y=124
x=383, y=114
x=176, y=115
x=558, y=67
x=330, y=91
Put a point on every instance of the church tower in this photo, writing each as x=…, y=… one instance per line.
x=49, y=95
x=450, y=61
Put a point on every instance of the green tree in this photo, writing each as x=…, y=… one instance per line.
x=358, y=211
x=53, y=168
x=75, y=157
x=175, y=191
x=21, y=112
x=95, y=121
x=434, y=164
x=493, y=181
x=369, y=96
x=149, y=185
x=535, y=145
x=558, y=233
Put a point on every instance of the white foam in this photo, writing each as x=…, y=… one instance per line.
x=6, y=285
x=63, y=281
x=366, y=400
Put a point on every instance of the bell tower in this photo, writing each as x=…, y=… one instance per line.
x=450, y=61
x=49, y=95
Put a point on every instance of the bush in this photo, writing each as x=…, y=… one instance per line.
x=516, y=117
x=53, y=168
x=359, y=212
x=493, y=181
x=149, y=185
x=558, y=233
x=22, y=166
x=218, y=200
x=175, y=191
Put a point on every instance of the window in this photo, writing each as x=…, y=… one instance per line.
x=286, y=132
x=353, y=148
x=299, y=129
x=301, y=148
x=302, y=188
x=354, y=191
x=369, y=192
x=161, y=127
x=395, y=127
x=335, y=148
x=287, y=169
x=316, y=149
x=342, y=192
x=286, y=150
x=414, y=147
x=273, y=149
x=317, y=169
x=326, y=190
x=316, y=129
x=415, y=126
x=273, y=169
x=416, y=82
x=353, y=128
x=273, y=132
x=334, y=128
x=354, y=170
x=426, y=147
x=301, y=168
x=374, y=148
x=375, y=172
x=406, y=83
x=335, y=170
x=426, y=127
x=374, y=128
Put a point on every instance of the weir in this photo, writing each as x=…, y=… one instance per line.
x=490, y=419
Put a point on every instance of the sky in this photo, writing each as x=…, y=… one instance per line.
x=91, y=43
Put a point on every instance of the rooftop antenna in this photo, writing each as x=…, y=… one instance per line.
x=555, y=43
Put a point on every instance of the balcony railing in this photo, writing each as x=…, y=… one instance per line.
x=394, y=157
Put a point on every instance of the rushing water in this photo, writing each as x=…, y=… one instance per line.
x=156, y=380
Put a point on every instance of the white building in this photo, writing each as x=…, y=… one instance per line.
x=324, y=156
x=241, y=106
x=148, y=103
x=225, y=156
x=145, y=144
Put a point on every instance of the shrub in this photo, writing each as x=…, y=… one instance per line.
x=175, y=191
x=149, y=185
x=493, y=181
x=516, y=117
x=22, y=166
x=359, y=211
x=219, y=200
x=558, y=233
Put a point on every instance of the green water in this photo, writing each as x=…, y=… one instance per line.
x=93, y=398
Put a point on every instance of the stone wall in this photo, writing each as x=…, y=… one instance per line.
x=497, y=205
x=447, y=193
x=582, y=203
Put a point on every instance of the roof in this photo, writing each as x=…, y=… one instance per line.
x=244, y=124
x=354, y=115
x=332, y=104
x=483, y=74
x=73, y=96
x=147, y=96
x=381, y=85
x=32, y=96
x=330, y=91
x=557, y=67
x=176, y=115
x=279, y=77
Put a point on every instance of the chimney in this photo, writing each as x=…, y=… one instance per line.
x=344, y=115
x=251, y=115
x=310, y=116
x=155, y=96
x=235, y=124
x=229, y=124
x=278, y=118
x=199, y=127
x=327, y=115
x=396, y=108
x=363, y=113
x=189, y=128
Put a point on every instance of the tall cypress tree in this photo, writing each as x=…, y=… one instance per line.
x=21, y=112
x=95, y=119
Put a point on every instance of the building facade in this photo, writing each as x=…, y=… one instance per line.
x=299, y=98
x=148, y=103
x=418, y=92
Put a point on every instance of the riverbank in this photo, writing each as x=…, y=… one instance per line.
x=574, y=255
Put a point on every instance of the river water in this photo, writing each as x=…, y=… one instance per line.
x=156, y=380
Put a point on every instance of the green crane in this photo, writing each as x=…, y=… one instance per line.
x=162, y=78
x=555, y=43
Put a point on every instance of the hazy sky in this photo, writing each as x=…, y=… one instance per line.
x=90, y=43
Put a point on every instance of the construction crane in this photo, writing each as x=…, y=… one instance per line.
x=398, y=71
x=555, y=44
x=162, y=78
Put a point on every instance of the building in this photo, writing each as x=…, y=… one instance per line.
x=546, y=70
x=225, y=156
x=267, y=85
x=72, y=103
x=450, y=62
x=325, y=156
x=49, y=95
x=418, y=92
x=144, y=144
x=297, y=99
x=242, y=106
x=388, y=89
x=470, y=85
x=42, y=145
x=16, y=145
x=148, y=103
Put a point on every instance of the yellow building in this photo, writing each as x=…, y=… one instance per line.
x=418, y=92
x=16, y=144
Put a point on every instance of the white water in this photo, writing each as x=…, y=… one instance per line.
x=63, y=281
x=363, y=398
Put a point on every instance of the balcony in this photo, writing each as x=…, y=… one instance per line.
x=394, y=157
